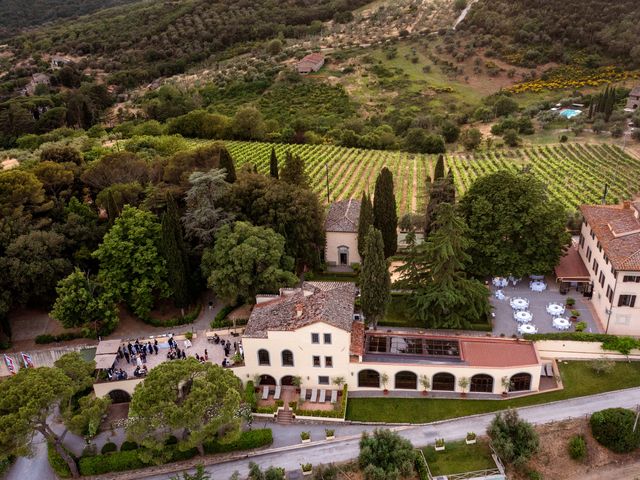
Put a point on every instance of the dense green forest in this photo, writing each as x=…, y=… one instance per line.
x=146, y=40
x=17, y=14
x=531, y=32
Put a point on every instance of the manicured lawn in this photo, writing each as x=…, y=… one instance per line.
x=398, y=314
x=578, y=377
x=458, y=457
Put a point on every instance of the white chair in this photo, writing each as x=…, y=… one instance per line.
x=265, y=392
x=303, y=394
x=334, y=396
x=276, y=396
x=314, y=395
x=323, y=396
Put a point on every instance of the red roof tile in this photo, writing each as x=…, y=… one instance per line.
x=498, y=353
x=571, y=266
x=357, y=338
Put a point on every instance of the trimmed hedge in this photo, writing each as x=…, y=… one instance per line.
x=58, y=463
x=323, y=413
x=613, y=428
x=130, y=460
x=109, y=447
x=421, y=466
x=174, y=322
x=127, y=446
x=221, y=316
x=575, y=336
x=63, y=337
x=247, y=441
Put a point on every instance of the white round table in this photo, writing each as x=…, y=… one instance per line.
x=555, y=309
x=538, y=286
x=527, y=328
x=561, y=323
x=523, y=317
x=519, y=303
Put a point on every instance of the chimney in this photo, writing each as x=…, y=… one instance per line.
x=626, y=204
x=299, y=307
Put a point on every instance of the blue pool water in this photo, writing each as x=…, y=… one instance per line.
x=569, y=113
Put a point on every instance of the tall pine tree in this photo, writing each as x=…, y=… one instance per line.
x=441, y=190
x=375, y=283
x=385, y=217
x=112, y=208
x=226, y=162
x=364, y=222
x=442, y=295
x=175, y=254
x=273, y=164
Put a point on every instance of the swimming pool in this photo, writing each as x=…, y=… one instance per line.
x=569, y=113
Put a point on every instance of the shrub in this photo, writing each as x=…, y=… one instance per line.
x=115, y=462
x=219, y=320
x=305, y=435
x=246, y=441
x=306, y=467
x=514, y=439
x=63, y=337
x=58, y=463
x=174, y=322
x=109, y=447
x=421, y=467
x=385, y=454
x=90, y=451
x=127, y=446
x=613, y=428
x=329, y=432
x=577, y=447
x=602, y=366
x=250, y=396
x=581, y=326
x=171, y=440
x=534, y=475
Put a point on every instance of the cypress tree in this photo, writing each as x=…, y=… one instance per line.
x=226, y=162
x=385, y=217
x=112, y=208
x=438, y=172
x=364, y=222
x=273, y=164
x=610, y=104
x=175, y=254
x=440, y=191
x=293, y=171
x=375, y=283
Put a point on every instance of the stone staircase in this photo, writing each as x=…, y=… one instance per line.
x=285, y=417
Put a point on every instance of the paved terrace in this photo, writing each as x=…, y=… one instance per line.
x=503, y=323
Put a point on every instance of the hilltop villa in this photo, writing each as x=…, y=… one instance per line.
x=312, y=332
x=609, y=246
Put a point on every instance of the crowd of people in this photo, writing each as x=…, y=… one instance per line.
x=136, y=353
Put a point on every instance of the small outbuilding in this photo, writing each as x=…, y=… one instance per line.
x=633, y=102
x=311, y=63
x=341, y=228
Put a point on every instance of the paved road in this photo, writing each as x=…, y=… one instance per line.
x=346, y=448
x=287, y=452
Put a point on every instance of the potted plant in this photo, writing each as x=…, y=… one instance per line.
x=305, y=437
x=439, y=444
x=506, y=384
x=471, y=438
x=330, y=433
x=297, y=382
x=463, y=383
x=426, y=384
x=384, y=378
x=307, y=469
x=570, y=302
x=581, y=326
x=574, y=315
x=188, y=335
x=338, y=382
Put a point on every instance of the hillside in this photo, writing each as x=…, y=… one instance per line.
x=18, y=14
x=146, y=40
x=531, y=32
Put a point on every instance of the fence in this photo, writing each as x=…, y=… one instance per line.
x=41, y=358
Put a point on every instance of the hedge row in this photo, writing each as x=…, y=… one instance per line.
x=250, y=396
x=130, y=459
x=174, y=322
x=221, y=316
x=323, y=413
x=58, y=464
x=575, y=336
x=421, y=466
x=46, y=338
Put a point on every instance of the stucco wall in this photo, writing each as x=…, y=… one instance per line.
x=103, y=389
x=338, y=239
x=572, y=350
x=622, y=320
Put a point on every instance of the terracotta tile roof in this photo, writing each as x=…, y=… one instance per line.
x=328, y=302
x=357, y=339
x=571, y=266
x=315, y=58
x=343, y=216
x=618, y=231
x=498, y=353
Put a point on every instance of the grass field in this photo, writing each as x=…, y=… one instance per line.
x=578, y=378
x=458, y=457
x=573, y=173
